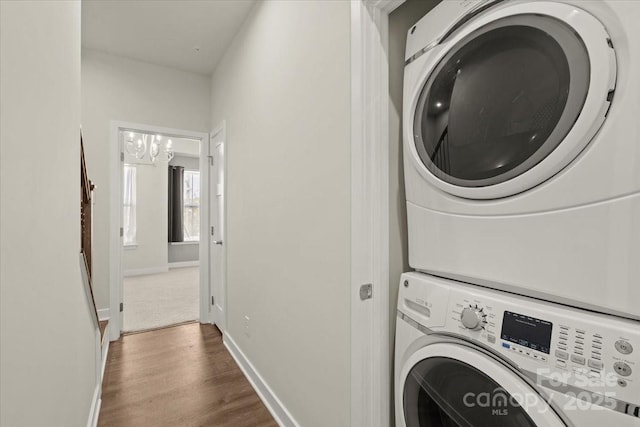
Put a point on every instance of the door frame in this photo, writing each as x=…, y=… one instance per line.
x=371, y=338
x=221, y=128
x=115, y=214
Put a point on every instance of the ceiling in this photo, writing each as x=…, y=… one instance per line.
x=183, y=34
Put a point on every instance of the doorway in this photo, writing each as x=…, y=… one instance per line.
x=158, y=208
x=161, y=230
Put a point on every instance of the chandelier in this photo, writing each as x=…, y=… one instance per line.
x=150, y=146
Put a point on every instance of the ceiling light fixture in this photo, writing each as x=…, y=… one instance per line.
x=151, y=145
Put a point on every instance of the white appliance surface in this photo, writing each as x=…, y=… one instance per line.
x=565, y=228
x=570, y=367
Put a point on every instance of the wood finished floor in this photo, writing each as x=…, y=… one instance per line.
x=177, y=376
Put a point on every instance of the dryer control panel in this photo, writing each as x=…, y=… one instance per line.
x=585, y=352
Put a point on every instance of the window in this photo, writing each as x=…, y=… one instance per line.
x=191, y=206
x=129, y=205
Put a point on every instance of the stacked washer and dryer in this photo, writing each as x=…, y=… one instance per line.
x=522, y=170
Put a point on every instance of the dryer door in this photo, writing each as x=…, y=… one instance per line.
x=511, y=98
x=447, y=384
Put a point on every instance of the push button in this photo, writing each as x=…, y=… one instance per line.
x=622, y=369
x=595, y=364
x=623, y=346
x=562, y=354
x=579, y=371
x=577, y=359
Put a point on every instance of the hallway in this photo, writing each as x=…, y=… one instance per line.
x=177, y=376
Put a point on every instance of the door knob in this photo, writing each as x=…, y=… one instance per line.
x=217, y=242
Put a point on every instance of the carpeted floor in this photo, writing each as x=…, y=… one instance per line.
x=157, y=300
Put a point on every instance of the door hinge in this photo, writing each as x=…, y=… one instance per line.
x=212, y=230
x=122, y=156
x=121, y=307
x=366, y=291
x=212, y=300
x=210, y=160
x=121, y=231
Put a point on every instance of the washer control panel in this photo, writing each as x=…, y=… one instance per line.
x=586, y=350
x=590, y=351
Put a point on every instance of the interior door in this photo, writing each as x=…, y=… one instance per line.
x=119, y=315
x=216, y=232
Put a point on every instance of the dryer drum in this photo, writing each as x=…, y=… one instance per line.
x=501, y=100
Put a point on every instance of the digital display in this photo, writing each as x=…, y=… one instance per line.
x=527, y=331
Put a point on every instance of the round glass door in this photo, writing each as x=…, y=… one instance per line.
x=445, y=392
x=501, y=100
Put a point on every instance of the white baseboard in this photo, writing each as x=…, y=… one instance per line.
x=96, y=402
x=105, y=353
x=103, y=314
x=95, y=407
x=279, y=412
x=143, y=271
x=183, y=264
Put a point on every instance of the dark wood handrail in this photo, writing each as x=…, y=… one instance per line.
x=86, y=223
x=90, y=287
x=86, y=214
x=86, y=183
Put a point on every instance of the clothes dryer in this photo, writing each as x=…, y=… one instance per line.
x=521, y=137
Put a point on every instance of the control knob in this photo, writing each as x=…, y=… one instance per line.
x=473, y=318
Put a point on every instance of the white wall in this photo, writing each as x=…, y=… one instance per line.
x=47, y=338
x=186, y=148
x=284, y=89
x=150, y=252
x=400, y=21
x=115, y=88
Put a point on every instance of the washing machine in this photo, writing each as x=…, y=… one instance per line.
x=521, y=134
x=471, y=356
